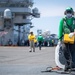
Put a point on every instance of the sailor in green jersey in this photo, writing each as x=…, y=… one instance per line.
x=40, y=41
x=67, y=26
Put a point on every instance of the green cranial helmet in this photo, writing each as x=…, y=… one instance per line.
x=69, y=10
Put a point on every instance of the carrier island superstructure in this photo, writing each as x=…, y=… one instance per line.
x=15, y=14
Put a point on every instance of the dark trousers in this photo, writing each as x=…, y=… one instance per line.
x=69, y=53
x=40, y=44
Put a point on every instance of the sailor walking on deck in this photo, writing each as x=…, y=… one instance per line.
x=31, y=38
x=40, y=41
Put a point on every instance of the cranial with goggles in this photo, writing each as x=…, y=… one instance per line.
x=69, y=12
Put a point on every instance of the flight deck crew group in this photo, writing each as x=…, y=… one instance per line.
x=67, y=26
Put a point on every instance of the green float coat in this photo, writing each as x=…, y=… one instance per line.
x=40, y=38
x=63, y=28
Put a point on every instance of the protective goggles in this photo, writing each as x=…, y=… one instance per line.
x=68, y=11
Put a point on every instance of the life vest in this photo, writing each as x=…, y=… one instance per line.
x=68, y=28
x=31, y=37
x=40, y=38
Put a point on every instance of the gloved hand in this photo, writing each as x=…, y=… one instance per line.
x=71, y=34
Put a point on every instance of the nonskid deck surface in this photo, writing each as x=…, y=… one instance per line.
x=19, y=61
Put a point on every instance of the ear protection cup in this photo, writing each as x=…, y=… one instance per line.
x=65, y=13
